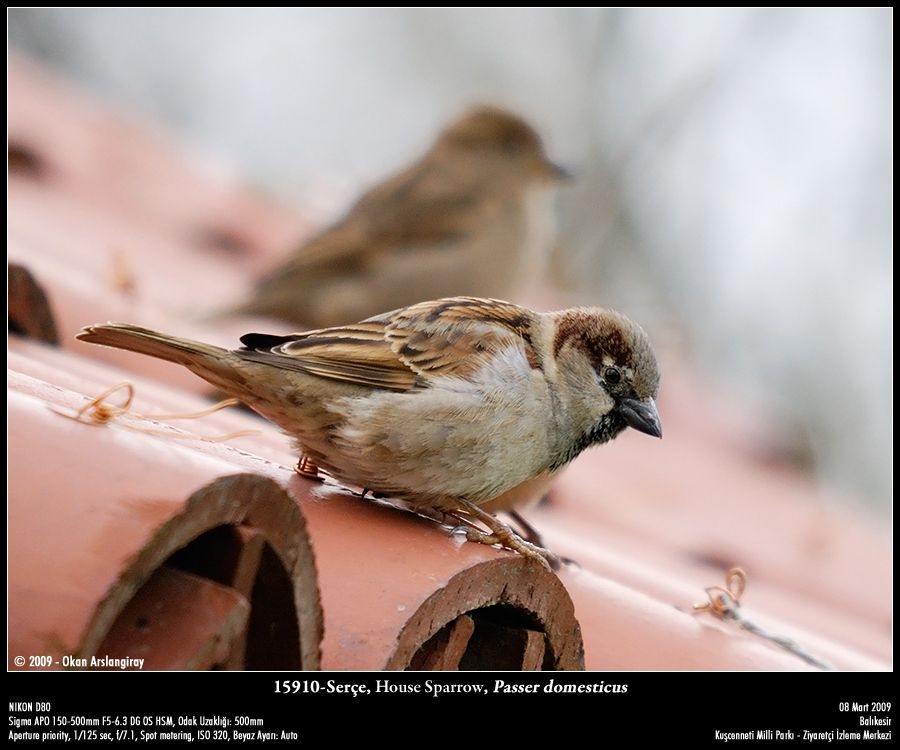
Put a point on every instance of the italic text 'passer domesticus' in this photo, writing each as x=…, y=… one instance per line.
x=459, y=407
x=474, y=216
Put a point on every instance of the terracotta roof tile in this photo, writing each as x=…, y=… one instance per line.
x=115, y=222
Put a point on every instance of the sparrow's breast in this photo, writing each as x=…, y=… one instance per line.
x=475, y=437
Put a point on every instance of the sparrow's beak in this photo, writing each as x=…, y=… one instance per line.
x=549, y=170
x=556, y=173
x=641, y=415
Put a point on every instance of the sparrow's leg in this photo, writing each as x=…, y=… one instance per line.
x=531, y=534
x=500, y=532
x=503, y=535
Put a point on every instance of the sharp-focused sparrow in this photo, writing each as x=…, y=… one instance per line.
x=474, y=216
x=457, y=407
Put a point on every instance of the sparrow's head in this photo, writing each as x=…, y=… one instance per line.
x=494, y=136
x=608, y=375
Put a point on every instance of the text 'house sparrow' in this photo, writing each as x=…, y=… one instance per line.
x=457, y=407
x=473, y=216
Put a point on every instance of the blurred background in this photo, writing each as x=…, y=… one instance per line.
x=733, y=168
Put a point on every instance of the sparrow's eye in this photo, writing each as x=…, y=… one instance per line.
x=612, y=376
x=511, y=146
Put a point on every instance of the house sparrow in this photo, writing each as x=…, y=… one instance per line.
x=459, y=407
x=473, y=216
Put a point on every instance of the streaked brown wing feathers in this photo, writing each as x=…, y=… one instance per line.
x=450, y=337
x=455, y=336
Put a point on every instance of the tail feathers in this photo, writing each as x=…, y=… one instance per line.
x=191, y=354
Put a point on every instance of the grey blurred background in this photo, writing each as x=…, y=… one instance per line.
x=734, y=166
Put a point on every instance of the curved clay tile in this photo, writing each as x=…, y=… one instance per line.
x=128, y=544
x=113, y=222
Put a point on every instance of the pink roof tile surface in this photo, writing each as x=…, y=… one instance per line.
x=118, y=223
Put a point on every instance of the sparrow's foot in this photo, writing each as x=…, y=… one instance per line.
x=531, y=534
x=514, y=542
x=499, y=532
x=526, y=530
x=503, y=535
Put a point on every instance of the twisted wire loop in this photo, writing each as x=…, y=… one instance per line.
x=99, y=412
x=724, y=603
x=306, y=467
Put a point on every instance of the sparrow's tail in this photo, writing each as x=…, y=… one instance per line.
x=212, y=363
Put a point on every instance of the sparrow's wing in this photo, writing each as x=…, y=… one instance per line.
x=456, y=336
x=400, y=350
x=423, y=206
x=353, y=354
x=427, y=203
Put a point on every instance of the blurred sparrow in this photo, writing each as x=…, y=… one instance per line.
x=458, y=407
x=473, y=216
